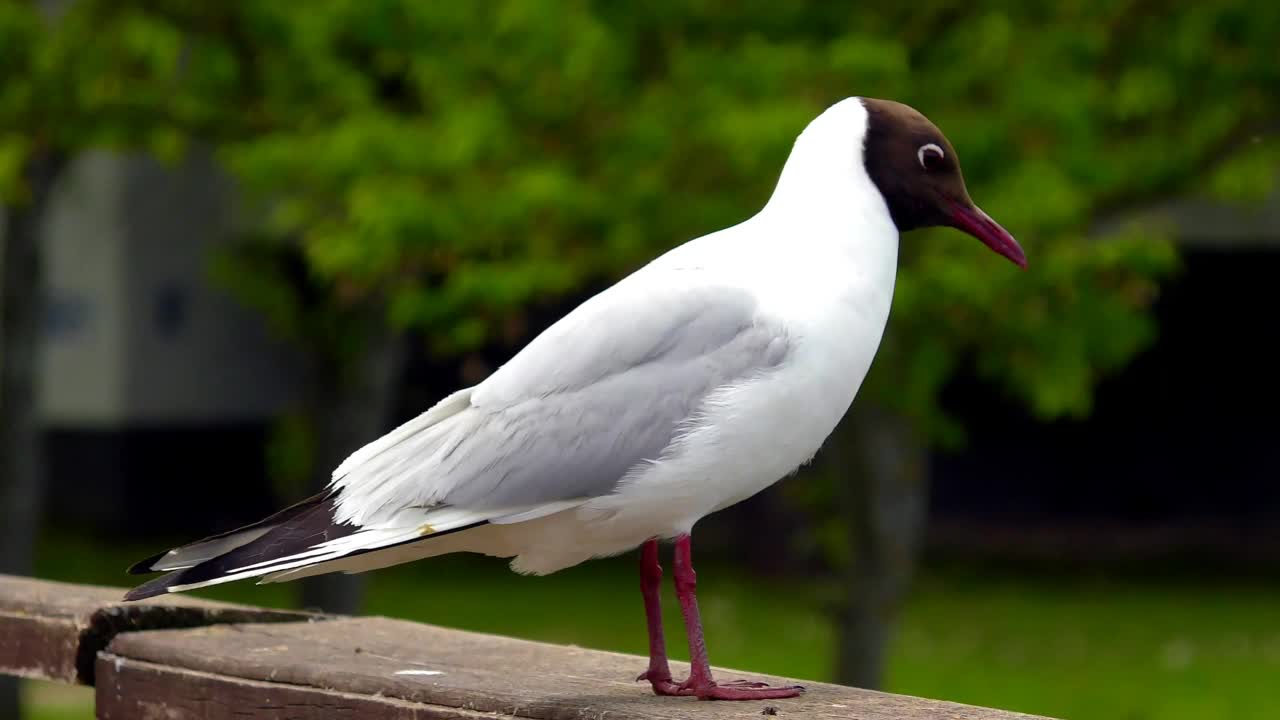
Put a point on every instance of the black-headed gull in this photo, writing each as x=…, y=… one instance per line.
x=694, y=383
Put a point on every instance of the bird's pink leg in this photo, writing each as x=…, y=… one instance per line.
x=700, y=682
x=659, y=672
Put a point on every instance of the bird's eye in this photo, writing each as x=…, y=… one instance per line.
x=931, y=156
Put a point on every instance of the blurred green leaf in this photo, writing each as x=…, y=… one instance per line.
x=450, y=163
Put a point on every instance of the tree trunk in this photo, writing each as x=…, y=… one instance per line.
x=21, y=481
x=885, y=501
x=351, y=408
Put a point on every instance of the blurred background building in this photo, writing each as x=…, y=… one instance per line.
x=152, y=381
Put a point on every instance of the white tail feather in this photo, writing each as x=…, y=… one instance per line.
x=451, y=405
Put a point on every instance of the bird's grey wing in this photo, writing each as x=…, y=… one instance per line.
x=586, y=402
x=605, y=389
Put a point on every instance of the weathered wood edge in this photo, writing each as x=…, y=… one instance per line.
x=128, y=689
x=275, y=668
x=380, y=657
x=53, y=631
x=38, y=648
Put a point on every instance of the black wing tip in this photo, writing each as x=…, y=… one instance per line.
x=310, y=523
x=152, y=588
x=147, y=565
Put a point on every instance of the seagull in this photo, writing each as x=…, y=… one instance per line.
x=692, y=384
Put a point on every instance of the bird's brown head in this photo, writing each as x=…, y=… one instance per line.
x=917, y=171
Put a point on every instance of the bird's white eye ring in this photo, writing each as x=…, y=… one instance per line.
x=931, y=151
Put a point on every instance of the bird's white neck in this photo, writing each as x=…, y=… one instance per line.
x=825, y=173
x=826, y=201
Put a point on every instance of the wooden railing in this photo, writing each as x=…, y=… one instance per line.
x=178, y=657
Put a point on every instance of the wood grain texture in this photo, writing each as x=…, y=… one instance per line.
x=136, y=690
x=53, y=630
x=431, y=666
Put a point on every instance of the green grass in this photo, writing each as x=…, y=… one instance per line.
x=1065, y=647
x=1137, y=650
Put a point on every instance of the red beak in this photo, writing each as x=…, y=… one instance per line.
x=972, y=220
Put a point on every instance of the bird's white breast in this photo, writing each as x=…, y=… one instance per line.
x=833, y=305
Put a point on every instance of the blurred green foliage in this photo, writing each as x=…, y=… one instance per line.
x=448, y=163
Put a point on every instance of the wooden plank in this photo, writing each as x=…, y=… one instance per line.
x=435, y=666
x=53, y=630
x=132, y=689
